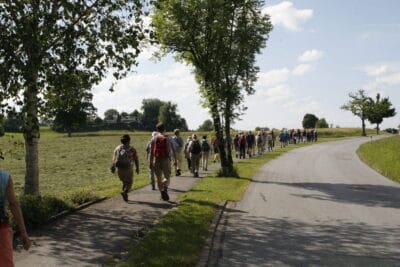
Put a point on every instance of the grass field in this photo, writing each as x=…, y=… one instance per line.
x=79, y=163
x=384, y=156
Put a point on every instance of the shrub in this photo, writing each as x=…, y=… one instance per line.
x=38, y=210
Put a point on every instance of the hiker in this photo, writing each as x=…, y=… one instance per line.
x=270, y=142
x=8, y=199
x=250, y=143
x=215, y=147
x=205, y=152
x=187, y=153
x=162, y=151
x=123, y=158
x=195, y=154
x=178, y=145
x=259, y=142
x=236, y=145
x=151, y=170
x=242, y=146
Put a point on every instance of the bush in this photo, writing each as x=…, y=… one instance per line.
x=38, y=210
x=392, y=130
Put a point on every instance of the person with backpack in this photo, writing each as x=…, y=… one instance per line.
x=8, y=199
x=215, y=146
x=178, y=145
x=205, y=152
x=195, y=154
x=187, y=153
x=151, y=171
x=162, y=150
x=124, y=157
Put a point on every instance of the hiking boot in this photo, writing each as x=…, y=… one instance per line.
x=124, y=196
x=153, y=186
x=178, y=172
x=164, y=194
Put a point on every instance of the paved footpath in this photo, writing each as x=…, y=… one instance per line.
x=91, y=236
x=314, y=206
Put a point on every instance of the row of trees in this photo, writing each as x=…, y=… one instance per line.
x=368, y=108
x=153, y=110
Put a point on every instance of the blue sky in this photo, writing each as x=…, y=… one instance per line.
x=318, y=52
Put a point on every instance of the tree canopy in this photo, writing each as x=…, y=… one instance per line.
x=321, y=123
x=309, y=121
x=378, y=109
x=206, y=126
x=358, y=105
x=220, y=39
x=41, y=40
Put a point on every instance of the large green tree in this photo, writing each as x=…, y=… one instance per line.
x=309, y=121
x=206, y=126
x=36, y=39
x=321, y=123
x=151, y=110
x=69, y=101
x=171, y=119
x=220, y=39
x=378, y=109
x=359, y=106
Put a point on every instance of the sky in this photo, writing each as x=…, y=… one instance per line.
x=317, y=53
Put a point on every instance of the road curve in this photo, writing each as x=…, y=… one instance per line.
x=314, y=206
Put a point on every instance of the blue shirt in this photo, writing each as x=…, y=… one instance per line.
x=4, y=178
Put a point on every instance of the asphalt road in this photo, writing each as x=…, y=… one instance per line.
x=314, y=206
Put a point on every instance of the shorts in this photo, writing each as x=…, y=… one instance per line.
x=162, y=166
x=6, y=246
x=125, y=175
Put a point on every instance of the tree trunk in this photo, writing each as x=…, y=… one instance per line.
x=228, y=141
x=363, y=127
x=69, y=133
x=31, y=126
x=377, y=129
x=31, y=136
x=225, y=166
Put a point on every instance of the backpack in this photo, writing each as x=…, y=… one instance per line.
x=196, y=148
x=161, y=146
x=123, y=160
x=205, y=147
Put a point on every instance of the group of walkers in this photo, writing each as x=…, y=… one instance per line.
x=163, y=153
x=166, y=152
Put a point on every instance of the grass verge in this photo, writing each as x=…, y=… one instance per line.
x=180, y=236
x=383, y=156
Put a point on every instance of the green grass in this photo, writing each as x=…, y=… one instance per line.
x=383, y=155
x=181, y=235
x=70, y=165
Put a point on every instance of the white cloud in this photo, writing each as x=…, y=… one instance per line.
x=382, y=76
x=376, y=70
x=287, y=15
x=278, y=93
x=274, y=77
x=310, y=55
x=302, y=69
